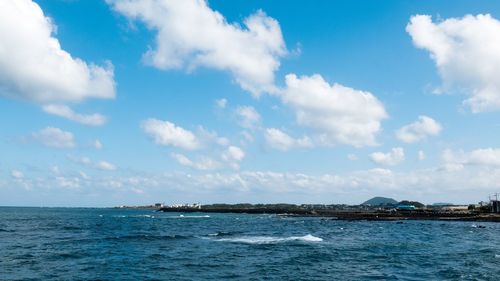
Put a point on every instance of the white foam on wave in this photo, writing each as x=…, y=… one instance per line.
x=188, y=217
x=134, y=216
x=271, y=239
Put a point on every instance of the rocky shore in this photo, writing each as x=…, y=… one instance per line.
x=341, y=214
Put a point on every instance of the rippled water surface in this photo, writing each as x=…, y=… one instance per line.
x=116, y=244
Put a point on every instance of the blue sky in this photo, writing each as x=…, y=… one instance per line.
x=139, y=101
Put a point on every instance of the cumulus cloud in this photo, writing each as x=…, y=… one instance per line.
x=97, y=144
x=419, y=130
x=208, y=137
x=392, y=158
x=204, y=163
x=465, y=51
x=249, y=118
x=229, y=157
x=85, y=161
x=16, y=174
x=190, y=34
x=478, y=157
x=55, y=170
x=221, y=103
x=81, y=160
x=352, y=157
x=247, y=137
x=168, y=134
x=421, y=155
x=339, y=114
x=469, y=185
x=34, y=67
x=233, y=155
x=106, y=166
x=280, y=140
x=55, y=137
x=66, y=112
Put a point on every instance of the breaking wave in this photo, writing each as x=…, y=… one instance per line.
x=133, y=216
x=271, y=239
x=188, y=217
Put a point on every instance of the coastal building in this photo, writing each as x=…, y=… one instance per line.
x=494, y=203
x=194, y=205
x=456, y=208
x=406, y=207
x=495, y=206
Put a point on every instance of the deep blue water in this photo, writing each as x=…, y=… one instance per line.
x=116, y=244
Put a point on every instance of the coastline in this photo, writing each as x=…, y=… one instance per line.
x=368, y=215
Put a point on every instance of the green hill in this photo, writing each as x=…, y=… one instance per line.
x=380, y=201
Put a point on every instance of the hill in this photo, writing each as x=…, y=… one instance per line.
x=414, y=203
x=380, y=201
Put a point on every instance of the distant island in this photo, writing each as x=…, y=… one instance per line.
x=377, y=208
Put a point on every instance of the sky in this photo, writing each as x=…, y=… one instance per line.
x=130, y=102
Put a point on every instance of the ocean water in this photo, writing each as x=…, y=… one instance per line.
x=117, y=244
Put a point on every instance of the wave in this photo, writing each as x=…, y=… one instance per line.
x=133, y=216
x=271, y=239
x=222, y=233
x=477, y=226
x=142, y=216
x=188, y=217
x=148, y=237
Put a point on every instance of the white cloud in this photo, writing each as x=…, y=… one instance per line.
x=55, y=137
x=190, y=34
x=352, y=157
x=419, y=130
x=85, y=161
x=479, y=157
x=55, y=170
x=221, y=103
x=83, y=175
x=34, y=67
x=247, y=137
x=167, y=133
x=278, y=139
x=204, y=163
x=103, y=165
x=182, y=159
x=469, y=184
x=16, y=174
x=421, y=155
x=68, y=182
x=81, y=160
x=392, y=158
x=66, y=112
x=249, y=118
x=97, y=144
x=233, y=155
x=465, y=51
x=339, y=114
x=208, y=137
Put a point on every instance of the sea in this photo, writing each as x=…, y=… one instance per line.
x=128, y=244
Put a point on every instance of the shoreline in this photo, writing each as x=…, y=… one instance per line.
x=349, y=215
